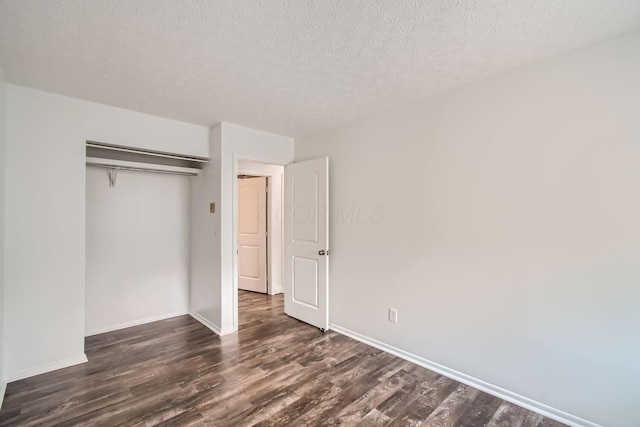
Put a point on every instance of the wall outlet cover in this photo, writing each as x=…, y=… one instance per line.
x=393, y=315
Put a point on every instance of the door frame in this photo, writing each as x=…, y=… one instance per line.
x=274, y=172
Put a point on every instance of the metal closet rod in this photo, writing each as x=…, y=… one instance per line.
x=122, y=168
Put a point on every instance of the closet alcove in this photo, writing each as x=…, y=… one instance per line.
x=137, y=235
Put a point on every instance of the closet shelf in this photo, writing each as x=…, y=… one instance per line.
x=128, y=158
x=139, y=166
x=112, y=150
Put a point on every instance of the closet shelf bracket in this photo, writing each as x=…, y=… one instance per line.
x=113, y=173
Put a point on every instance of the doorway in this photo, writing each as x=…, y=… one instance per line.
x=259, y=238
x=306, y=217
x=253, y=233
x=272, y=214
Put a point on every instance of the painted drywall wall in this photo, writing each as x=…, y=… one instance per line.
x=137, y=248
x=204, y=296
x=3, y=134
x=45, y=216
x=501, y=220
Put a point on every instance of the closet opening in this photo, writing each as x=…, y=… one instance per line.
x=137, y=236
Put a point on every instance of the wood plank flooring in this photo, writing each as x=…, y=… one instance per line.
x=274, y=371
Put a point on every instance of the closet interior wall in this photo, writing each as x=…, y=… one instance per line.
x=137, y=248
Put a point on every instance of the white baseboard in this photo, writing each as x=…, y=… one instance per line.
x=525, y=402
x=46, y=367
x=3, y=389
x=215, y=328
x=111, y=328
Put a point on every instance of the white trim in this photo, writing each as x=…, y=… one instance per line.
x=215, y=328
x=124, y=325
x=525, y=402
x=3, y=390
x=47, y=367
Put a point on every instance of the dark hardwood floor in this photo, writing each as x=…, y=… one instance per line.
x=274, y=371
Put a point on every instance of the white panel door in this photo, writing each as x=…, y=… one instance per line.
x=252, y=234
x=306, y=242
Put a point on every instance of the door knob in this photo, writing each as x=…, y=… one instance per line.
x=323, y=252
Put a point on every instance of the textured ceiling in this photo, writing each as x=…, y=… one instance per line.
x=286, y=66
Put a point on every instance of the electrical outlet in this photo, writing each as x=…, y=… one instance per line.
x=393, y=315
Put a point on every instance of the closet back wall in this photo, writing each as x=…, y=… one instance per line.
x=137, y=257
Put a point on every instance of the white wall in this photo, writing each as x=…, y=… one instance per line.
x=501, y=220
x=137, y=248
x=204, y=297
x=3, y=133
x=45, y=216
x=213, y=292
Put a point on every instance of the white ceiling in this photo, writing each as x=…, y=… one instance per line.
x=286, y=66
